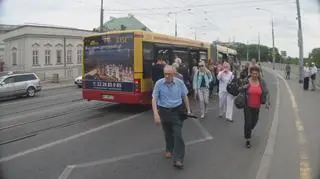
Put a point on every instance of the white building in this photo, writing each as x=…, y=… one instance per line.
x=44, y=50
x=4, y=29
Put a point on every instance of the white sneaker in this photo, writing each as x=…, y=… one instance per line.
x=229, y=120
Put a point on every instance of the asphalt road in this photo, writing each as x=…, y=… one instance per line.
x=296, y=152
x=58, y=135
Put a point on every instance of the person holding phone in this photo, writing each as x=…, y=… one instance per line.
x=225, y=99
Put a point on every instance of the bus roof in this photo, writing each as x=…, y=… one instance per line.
x=226, y=50
x=159, y=38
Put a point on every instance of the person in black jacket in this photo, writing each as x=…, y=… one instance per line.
x=256, y=93
x=157, y=70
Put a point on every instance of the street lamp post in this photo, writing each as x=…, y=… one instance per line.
x=247, y=50
x=195, y=31
x=175, y=20
x=101, y=17
x=300, y=43
x=259, y=60
x=272, y=25
x=273, y=50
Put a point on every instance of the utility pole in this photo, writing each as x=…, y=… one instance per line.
x=300, y=43
x=259, y=60
x=273, y=49
x=101, y=17
x=175, y=26
x=247, y=50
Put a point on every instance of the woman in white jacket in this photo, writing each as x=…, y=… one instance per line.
x=225, y=99
x=201, y=83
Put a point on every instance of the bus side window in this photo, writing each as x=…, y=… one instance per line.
x=148, y=58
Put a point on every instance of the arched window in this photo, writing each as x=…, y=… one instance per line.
x=59, y=47
x=79, y=53
x=69, y=54
x=35, y=54
x=47, y=53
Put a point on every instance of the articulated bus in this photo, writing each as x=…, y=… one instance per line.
x=117, y=66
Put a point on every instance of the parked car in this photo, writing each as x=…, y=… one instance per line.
x=19, y=84
x=78, y=81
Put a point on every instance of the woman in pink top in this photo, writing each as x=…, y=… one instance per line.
x=256, y=94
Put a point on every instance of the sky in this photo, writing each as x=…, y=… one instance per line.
x=207, y=20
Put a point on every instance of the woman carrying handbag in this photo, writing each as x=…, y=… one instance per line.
x=255, y=93
x=201, y=83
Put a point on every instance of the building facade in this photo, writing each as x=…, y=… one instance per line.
x=45, y=50
x=4, y=29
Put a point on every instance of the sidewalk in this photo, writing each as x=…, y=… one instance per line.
x=294, y=72
x=48, y=85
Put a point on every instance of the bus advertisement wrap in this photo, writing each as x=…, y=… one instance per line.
x=108, y=62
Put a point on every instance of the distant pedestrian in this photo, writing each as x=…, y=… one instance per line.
x=176, y=73
x=313, y=72
x=211, y=68
x=201, y=84
x=169, y=98
x=306, y=79
x=157, y=70
x=256, y=93
x=254, y=63
x=225, y=99
x=288, y=71
x=218, y=69
x=244, y=72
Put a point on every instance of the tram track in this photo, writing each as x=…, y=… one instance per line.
x=93, y=116
x=37, y=107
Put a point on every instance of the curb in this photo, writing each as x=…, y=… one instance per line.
x=57, y=87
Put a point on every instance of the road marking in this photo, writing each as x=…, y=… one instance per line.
x=202, y=129
x=45, y=146
x=267, y=155
x=66, y=173
x=305, y=168
x=207, y=136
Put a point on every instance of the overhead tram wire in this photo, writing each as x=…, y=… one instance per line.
x=208, y=11
x=200, y=5
x=230, y=14
x=177, y=7
x=191, y=12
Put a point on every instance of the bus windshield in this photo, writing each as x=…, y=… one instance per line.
x=108, y=62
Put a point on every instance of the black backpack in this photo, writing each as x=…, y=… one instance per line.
x=233, y=86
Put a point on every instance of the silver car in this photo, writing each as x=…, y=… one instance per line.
x=19, y=84
x=78, y=81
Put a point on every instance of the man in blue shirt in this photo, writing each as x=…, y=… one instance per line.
x=169, y=95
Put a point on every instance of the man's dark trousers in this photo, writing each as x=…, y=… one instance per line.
x=172, y=127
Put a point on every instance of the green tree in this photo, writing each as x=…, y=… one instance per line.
x=314, y=56
x=265, y=51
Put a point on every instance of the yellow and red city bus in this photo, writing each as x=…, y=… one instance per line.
x=117, y=66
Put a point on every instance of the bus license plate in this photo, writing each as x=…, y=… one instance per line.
x=108, y=97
